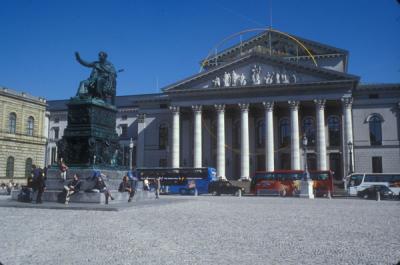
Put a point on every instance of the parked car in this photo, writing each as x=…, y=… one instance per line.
x=219, y=187
x=371, y=192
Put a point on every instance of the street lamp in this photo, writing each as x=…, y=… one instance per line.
x=306, y=189
x=350, y=145
x=305, y=142
x=131, y=145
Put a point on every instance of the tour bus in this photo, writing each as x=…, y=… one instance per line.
x=287, y=182
x=360, y=181
x=180, y=180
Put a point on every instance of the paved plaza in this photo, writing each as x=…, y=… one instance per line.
x=206, y=230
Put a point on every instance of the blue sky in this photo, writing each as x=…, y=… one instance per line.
x=165, y=40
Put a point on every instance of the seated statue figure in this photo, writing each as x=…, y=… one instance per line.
x=102, y=80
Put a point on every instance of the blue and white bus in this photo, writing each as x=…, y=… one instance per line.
x=184, y=180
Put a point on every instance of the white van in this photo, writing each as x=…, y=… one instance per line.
x=360, y=181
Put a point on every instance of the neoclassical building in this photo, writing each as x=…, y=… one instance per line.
x=251, y=106
x=23, y=134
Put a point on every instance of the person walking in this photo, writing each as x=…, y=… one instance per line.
x=157, y=183
x=63, y=169
x=40, y=185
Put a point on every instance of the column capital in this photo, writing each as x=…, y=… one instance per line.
x=320, y=103
x=174, y=109
x=141, y=117
x=347, y=102
x=220, y=107
x=197, y=108
x=294, y=104
x=244, y=106
x=268, y=105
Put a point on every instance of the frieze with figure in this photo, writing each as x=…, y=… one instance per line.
x=256, y=77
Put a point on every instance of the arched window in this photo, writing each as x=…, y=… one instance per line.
x=375, y=129
x=28, y=167
x=10, y=167
x=284, y=132
x=12, y=121
x=30, y=125
x=260, y=133
x=334, y=130
x=162, y=136
x=309, y=130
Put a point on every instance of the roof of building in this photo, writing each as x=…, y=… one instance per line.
x=22, y=95
x=120, y=101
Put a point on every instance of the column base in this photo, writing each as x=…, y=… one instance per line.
x=306, y=189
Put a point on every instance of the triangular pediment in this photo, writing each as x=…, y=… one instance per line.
x=274, y=43
x=258, y=70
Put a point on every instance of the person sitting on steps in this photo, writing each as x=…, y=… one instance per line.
x=100, y=185
x=126, y=186
x=73, y=187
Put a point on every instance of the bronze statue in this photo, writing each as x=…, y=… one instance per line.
x=102, y=80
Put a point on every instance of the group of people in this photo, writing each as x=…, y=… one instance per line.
x=128, y=184
x=74, y=186
x=36, y=185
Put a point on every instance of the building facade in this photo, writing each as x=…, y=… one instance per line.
x=23, y=132
x=250, y=108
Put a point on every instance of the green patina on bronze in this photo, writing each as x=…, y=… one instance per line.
x=90, y=137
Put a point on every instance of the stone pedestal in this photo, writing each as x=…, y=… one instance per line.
x=306, y=189
x=112, y=179
x=90, y=136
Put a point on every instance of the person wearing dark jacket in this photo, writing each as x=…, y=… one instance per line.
x=73, y=187
x=126, y=186
x=100, y=185
x=40, y=185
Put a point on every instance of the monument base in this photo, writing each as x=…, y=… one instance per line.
x=306, y=189
x=112, y=178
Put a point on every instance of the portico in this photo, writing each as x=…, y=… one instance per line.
x=306, y=117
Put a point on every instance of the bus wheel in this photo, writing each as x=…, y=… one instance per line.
x=182, y=191
x=215, y=193
x=365, y=196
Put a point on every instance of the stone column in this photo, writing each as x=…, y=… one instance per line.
x=321, y=140
x=175, y=159
x=46, y=133
x=141, y=117
x=197, y=159
x=269, y=136
x=348, y=130
x=244, y=141
x=294, y=132
x=220, y=140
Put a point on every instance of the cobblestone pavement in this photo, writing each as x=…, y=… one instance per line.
x=207, y=230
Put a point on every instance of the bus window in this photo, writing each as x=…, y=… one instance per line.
x=355, y=180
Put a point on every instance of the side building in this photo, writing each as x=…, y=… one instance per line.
x=250, y=108
x=23, y=132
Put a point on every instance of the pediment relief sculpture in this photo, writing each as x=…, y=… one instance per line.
x=255, y=77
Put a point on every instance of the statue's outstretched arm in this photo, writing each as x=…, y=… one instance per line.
x=82, y=62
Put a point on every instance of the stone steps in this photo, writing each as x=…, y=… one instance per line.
x=92, y=197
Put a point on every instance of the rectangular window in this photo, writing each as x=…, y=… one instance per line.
x=53, y=155
x=124, y=130
x=124, y=117
x=163, y=162
x=376, y=164
x=56, y=133
x=125, y=159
